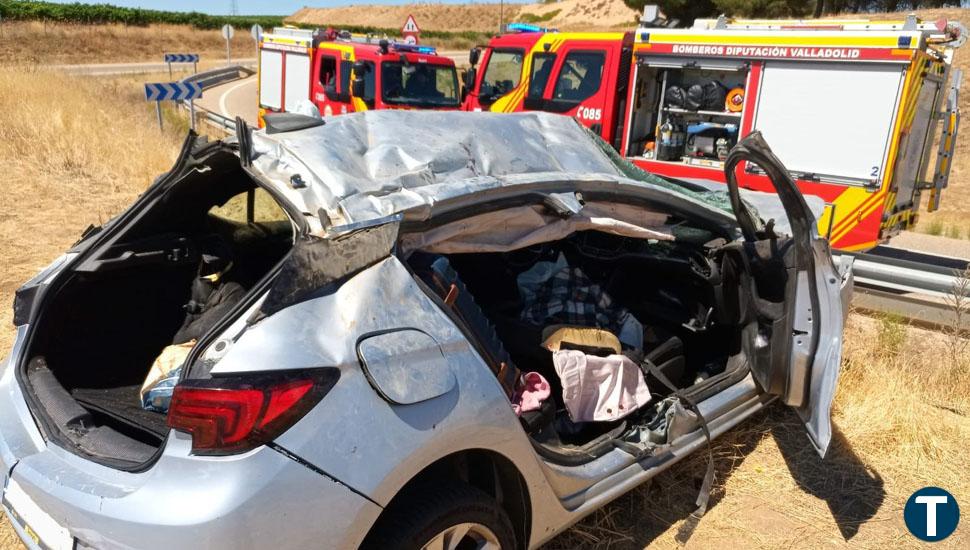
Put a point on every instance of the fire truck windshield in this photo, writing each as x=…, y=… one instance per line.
x=419, y=85
x=502, y=74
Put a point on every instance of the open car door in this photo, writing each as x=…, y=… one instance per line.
x=792, y=332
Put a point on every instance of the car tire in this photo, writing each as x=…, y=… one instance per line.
x=440, y=512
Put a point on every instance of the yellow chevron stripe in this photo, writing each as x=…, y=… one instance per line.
x=849, y=204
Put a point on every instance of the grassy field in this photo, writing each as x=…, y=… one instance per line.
x=28, y=42
x=901, y=413
x=69, y=161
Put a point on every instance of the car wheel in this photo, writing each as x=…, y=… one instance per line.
x=456, y=516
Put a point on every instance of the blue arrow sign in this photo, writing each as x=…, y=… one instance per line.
x=162, y=91
x=181, y=58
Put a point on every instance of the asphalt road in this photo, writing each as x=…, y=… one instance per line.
x=232, y=99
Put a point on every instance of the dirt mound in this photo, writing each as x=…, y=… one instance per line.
x=568, y=14
x=430, y=17
x=581, y=14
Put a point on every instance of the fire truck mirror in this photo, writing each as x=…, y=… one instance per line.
x=358, y=87
x=473, y=55
x=469, y=82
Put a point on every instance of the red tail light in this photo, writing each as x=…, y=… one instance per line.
x=234, y=415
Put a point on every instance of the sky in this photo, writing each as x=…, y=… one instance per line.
x=251, y=7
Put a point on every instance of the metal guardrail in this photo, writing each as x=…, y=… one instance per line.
x=919, y=287
x=208, y=79
x=215, y=119
x=215, y=77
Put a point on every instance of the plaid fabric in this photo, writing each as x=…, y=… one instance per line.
x=570, y=297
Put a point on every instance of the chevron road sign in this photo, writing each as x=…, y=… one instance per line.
x=181, y=57
x=192, y=58
x=175, y=91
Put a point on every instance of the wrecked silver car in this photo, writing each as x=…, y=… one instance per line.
x=402, y=330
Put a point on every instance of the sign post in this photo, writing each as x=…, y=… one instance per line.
x=192, y=58
x=410, y=31
x=227, y=33
x=256, y=32
x=175, y=91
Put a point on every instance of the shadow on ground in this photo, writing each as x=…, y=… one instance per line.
x=852, y=491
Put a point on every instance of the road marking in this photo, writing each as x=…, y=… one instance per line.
x=222, y=100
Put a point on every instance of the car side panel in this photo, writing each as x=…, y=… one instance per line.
x=355, y=435
x=19, y=436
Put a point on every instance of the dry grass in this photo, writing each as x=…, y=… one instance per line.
x=69, y=160
x=901, y=411
x=49, y=43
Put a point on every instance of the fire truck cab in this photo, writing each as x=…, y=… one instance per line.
x=339, y=73
x=851, y=108
x=582, y=75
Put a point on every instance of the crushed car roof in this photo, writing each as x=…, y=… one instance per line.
x=370, y=165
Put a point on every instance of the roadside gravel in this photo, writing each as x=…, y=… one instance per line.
x=921, y=242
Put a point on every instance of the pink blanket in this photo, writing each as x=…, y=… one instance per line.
x=533, y=389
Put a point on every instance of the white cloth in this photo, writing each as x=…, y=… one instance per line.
x=599, y=388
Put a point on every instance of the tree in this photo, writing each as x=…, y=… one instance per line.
x=684, y=10
x=765, y=8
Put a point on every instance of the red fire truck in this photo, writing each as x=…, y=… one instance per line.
x=851, y=107
x=339, y=73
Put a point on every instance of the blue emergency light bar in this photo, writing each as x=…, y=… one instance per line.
x=525, y=27
x=413, y=48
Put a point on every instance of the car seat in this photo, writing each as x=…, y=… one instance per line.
x=437, y=272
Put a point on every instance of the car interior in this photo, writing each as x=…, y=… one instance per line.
x=687, y=294
x=112, y=317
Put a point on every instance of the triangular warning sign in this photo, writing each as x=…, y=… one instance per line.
x=410, y=25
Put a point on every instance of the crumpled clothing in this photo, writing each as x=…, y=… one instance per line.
x=532, y=391
x=156, y=391
x=555, y=293
x=599, y=388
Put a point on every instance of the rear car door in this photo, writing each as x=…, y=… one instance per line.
x=793, y=334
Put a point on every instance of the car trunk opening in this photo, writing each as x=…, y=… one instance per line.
x=650, y=286
x=141, y=295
